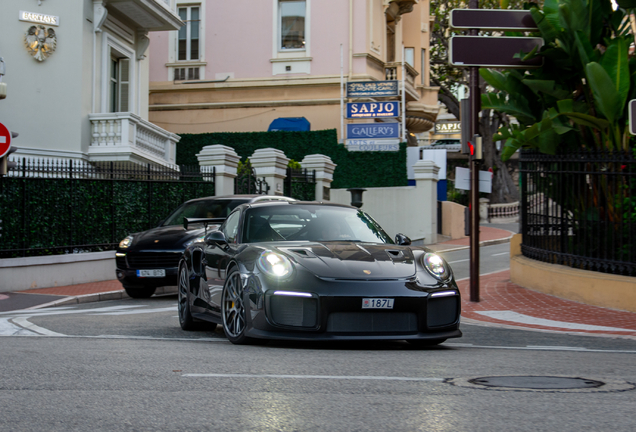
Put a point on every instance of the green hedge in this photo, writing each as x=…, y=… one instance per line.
x=355, y=169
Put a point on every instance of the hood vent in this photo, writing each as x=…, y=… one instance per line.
x=395, y=254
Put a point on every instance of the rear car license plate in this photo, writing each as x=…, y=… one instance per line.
x=377, y=303
x=151, y=273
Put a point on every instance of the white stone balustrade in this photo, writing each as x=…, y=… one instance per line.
x=127, y=137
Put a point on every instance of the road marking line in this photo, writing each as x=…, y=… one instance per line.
x=503, y=253
x=133, y=312
x=332, y=377
x=7, y=328
x=526, y=319
x=453, y=262
x=24, y=323
x=539, y=348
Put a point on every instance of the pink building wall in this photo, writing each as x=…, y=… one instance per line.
x=239, y=38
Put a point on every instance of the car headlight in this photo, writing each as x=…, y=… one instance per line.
x=436, y=266
x=125, y=243
x=193, y=241
x=274, y=264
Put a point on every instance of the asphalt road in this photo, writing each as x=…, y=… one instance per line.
x=126, y=365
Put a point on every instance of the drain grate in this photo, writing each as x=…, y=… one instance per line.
x=537, y=382
x=529, y=383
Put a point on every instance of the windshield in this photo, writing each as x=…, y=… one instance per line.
x=311, y=223
x=212, y=208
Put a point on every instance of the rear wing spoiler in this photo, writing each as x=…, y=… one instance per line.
x=204, y=221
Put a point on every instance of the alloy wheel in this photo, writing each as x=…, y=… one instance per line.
x=233, y=307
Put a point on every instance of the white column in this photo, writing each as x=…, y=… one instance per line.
x=271, y=163
x=426, y=176
x=324, y=168
x=225, y=161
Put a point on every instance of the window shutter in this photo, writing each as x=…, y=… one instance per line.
x=124, y=88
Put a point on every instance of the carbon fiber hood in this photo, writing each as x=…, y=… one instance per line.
x=354, y=260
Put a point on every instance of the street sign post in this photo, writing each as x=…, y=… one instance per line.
x=631, y=115
x=5, y=140
x=493, y=51
x=492, y=19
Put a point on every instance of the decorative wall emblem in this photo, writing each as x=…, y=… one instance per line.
x=40, y=41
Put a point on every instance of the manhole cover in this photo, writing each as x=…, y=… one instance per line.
x=537, y=382
x=543, y=384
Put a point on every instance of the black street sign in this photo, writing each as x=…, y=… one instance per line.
x=492, y=19
x=493, y=51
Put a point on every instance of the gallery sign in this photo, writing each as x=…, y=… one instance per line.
x=372, y=109
x=373, y=130
x=372, y=89
x=373, y=144
x=39, y=18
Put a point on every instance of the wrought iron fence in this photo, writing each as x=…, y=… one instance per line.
x=246, y=182
x=579, y=209
x=300, y=184
x=62, y=206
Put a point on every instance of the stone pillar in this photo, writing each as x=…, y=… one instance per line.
x=484, y=205
x=225, y=161
x=426, y=176
x=272, y=164
x=324, y=167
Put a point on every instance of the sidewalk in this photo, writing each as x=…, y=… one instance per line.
x=502, y=303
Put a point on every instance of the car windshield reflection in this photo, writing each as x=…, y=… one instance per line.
x=213, y=208
x=311, y=223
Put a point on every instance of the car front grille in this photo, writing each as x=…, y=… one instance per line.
x=293, y=311
x=442, y=311
x=372, y=322
x=152, y=260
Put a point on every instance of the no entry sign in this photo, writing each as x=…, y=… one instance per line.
x=5, y=140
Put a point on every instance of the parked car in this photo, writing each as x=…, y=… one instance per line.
x=450, y=144
x=315, y=271
x=149, y=259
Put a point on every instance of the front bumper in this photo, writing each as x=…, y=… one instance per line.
x=332, y=310
x=128, y=262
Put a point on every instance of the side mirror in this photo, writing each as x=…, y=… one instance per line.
x=215, y=238
x=402, y=240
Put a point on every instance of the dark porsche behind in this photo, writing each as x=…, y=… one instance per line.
x=147, y=260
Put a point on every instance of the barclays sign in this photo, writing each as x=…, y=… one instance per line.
x=373, y=130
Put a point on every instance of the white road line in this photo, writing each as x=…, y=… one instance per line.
x=453, y=262
x=526, y=319
x=24, y=323
x=540, y=348
x=503, y=253
x=133, y=312
x=61, y=311
x=7, y=328
x=36, y=311
x=330, y=377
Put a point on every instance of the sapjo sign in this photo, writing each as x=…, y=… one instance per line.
x=372, y=109
x=373, y=130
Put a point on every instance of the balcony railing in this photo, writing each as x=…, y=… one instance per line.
x=126, y=136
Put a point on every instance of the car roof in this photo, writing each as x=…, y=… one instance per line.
x=246, y=197
x=295, y=202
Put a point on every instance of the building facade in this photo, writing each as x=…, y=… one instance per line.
x=77, y=79
x=236, y=72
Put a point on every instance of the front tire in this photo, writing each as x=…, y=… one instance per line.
x=186, y=321
x=140, y=293
x=233, y=310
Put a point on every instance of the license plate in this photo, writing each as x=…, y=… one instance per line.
x=377, y=303
x=151, y=273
